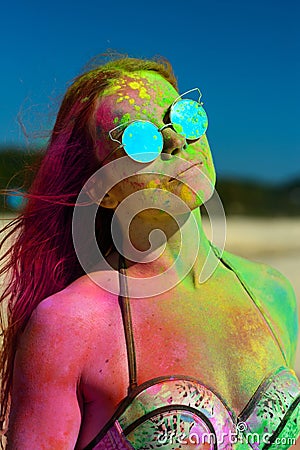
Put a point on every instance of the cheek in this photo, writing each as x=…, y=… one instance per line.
x=195, y=189
x=202, y=148
x=102, y=148
x=129, y=186
x=141, y=192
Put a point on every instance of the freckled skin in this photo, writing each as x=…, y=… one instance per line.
x=71, y=365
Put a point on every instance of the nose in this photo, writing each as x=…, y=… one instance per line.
x=174, y=143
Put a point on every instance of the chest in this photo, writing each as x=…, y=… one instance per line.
x=215, y=334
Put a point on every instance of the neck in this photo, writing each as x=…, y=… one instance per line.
x=158, y=242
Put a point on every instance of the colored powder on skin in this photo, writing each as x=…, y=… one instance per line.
x=178, y=128
x=162, y=102
x=142, y=81
x=131, y=101
x=142, y=90
x=143, y=94
x=152, y=184
x=134, y=85
x=115, y=87
x=137, y=108
x=151, y=116
x=116, y=119
x=186, y=193
x=161, y=97
x=125, y=118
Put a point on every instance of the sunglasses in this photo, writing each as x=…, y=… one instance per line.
x=143, y=141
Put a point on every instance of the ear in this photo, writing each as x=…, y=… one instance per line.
x=109, y=200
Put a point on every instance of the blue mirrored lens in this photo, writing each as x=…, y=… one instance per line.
x=189, y=119
x=142, y=141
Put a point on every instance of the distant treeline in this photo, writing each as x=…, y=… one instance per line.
x=239, y=197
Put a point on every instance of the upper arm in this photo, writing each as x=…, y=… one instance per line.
x=45, y=412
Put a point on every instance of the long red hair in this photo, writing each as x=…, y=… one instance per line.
x=42, y=259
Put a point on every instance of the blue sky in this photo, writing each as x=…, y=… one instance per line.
x=244, y=56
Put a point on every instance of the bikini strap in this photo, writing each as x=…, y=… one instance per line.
x=127, y=323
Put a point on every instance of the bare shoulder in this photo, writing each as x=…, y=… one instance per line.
x=274, y=295
x=66, y=325
x=81, y=299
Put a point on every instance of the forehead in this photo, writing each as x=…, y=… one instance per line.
x=139, y=95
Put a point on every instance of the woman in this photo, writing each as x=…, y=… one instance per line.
x=203, y=363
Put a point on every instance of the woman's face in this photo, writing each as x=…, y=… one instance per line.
x=148, y=96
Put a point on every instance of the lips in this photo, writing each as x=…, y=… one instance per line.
x=188, y=168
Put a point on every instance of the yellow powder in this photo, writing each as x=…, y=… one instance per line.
x=134, y=85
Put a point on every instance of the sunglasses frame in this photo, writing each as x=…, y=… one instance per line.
x=125, y=125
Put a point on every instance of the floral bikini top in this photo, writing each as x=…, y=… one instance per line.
x=179, y=412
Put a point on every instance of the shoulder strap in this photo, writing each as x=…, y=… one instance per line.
x=127, y=323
